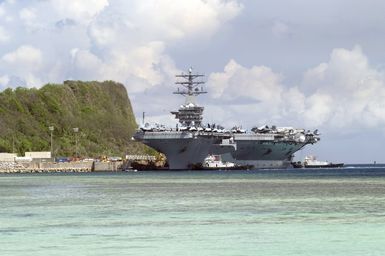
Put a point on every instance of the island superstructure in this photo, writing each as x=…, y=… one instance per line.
x=191, y=142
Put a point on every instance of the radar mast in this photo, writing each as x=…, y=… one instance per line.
x=189, y=114
x=191, y=89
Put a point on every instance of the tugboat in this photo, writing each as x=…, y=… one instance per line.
x=312, y=162
x=215, y=162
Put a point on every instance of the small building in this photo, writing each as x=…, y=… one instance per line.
x=114, y=159
x=23, y=159
x=39, y=156
x=7, y=157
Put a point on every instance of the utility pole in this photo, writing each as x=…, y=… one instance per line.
x=144, y=113
x=51, y=129
x=13, y=143
x=76, y=130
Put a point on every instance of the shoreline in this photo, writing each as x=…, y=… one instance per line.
x=40, y=170
x=53, y=167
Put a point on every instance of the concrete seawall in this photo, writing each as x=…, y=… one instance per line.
x=13, y=167
x=107, y=166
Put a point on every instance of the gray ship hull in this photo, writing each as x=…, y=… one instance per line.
x=265, y=150
x=260, y=151
x=182, y=149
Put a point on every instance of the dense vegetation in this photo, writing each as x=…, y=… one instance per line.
x=100, y=110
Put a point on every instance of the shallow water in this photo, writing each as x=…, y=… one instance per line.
x=281, y=212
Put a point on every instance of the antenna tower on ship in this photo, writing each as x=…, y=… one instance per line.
x=189, y=114
x=191, y=88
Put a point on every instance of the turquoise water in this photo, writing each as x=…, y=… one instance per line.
x=322, y=212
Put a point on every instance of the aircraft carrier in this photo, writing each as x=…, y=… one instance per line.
x=190, y=142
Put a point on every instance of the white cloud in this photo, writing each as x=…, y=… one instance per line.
x=4, y=36
x=119, y=40
x=87, y=64
x=139, y=68
x=1, y=11
x=258, y=83
x=319, y=107
x=132, y=44
x=79, y=10
x=293, y=102
x=177, y=19
x=4, y=80
x=258, y=87
x=280, y=29
x=353, y=88
x=166, y=21
x=25, y=56
x=344, y=71
x=25, y=62
x=345, y=94
x=27, y=14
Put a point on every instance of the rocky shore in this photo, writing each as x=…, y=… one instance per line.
x=13, y=167
x=77, y=166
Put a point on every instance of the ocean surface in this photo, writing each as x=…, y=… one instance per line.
x=265, y=212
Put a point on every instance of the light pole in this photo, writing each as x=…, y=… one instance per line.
x=51, y=129
x=144, y=113
x=76, y=130
x=13, y=143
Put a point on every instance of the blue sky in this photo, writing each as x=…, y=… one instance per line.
x=311, y=64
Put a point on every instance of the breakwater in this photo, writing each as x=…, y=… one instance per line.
x=47, y=167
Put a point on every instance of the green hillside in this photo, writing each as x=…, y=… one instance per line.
x=101, y=110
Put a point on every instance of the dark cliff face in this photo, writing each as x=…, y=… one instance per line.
x=100, y=110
